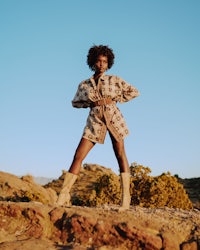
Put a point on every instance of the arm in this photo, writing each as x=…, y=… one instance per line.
x=80, y=99
x=80, y=104
x=128, y=91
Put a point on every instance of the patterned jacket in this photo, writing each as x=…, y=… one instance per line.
x=106, y=117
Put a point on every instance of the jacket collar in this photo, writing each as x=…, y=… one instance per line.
x=102, y=78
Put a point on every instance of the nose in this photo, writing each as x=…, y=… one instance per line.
x=102, y=63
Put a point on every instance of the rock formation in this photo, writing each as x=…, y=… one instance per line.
x=30, y=220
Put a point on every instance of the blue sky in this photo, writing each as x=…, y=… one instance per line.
x=43, y=49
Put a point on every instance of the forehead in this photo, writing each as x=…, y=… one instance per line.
x=102, y=57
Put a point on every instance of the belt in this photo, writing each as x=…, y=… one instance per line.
x=103, y=102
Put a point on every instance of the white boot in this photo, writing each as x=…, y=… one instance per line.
x=126, y=198
x=64, y=197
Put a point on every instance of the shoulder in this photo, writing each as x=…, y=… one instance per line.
x=84, y=82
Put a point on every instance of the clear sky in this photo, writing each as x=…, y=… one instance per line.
x=43, y=49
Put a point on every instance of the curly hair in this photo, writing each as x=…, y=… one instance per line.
x=96, y=51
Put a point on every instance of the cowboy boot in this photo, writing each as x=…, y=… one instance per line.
x=126, y=198
x=64, y=197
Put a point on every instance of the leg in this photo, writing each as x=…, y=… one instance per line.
x=124, y=172
x=120, y=154
x=82, y=150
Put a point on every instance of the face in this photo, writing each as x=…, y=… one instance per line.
x=101, y=64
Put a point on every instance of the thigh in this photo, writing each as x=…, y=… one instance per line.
x=120, y=153
x=83, y=148
x=118, y=146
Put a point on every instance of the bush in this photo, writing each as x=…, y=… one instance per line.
x=159, y=191
x=106, y=191
x=146, y=191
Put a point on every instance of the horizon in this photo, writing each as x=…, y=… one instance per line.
x=53, y=178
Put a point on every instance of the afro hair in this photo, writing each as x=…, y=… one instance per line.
x=95, y=51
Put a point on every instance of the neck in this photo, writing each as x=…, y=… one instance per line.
x=97, y=75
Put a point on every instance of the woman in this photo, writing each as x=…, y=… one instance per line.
x=100, y=93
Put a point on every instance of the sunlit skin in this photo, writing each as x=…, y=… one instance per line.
x=85, y=145
x=101, y=66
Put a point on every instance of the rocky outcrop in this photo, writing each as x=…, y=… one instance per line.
x=23, y=189
x=30, y=220
x=97, y=228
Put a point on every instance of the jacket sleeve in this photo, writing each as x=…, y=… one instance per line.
x=128, y=91
x=80, y=99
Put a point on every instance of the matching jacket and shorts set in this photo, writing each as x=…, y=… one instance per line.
x=101, y=98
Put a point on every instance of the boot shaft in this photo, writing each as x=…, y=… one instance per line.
x=69, y=180
x=125, y=185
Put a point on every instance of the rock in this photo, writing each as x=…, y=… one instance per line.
x=37, y=244
x=192, y=245
x=97, y=228
x=17, y=189
x=30, y=220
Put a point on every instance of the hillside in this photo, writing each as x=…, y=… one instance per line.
x=192, y=186
x=29, y=218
